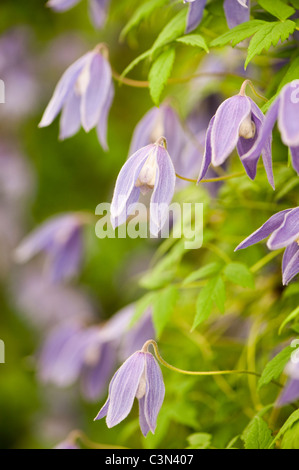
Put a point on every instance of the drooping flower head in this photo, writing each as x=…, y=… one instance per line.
x=285, y=109
x=236, y=12
x=91, y=354
x=284, y=230
x=97, y=9
x=236, y=124
x=60, y=238
x=84, y=94
x=140, y=377
x=150, y=168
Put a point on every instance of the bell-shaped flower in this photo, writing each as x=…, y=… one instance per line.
x=84, y=94
x=60, y=238
x=284, y=230
x=285, y=109
x=236, y=12
x=139, y=376
x=97, y=9
x=150, y=168
x=236, y=124
x=73, y=352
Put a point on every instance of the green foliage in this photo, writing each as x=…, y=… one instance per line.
x=172, y=31
x=277, y=8
x=290, y=439
x=238, y=33
x=163, y=307
x=195, y=40
x=202, y=273
x=287, y=425
x=159, y=74
x=275, y=367
x=141, y=14
x=213, y=291
x=294, y=313
x=239, y=274
x=199, y=440
x=257, y=434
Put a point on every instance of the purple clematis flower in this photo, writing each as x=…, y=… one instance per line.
x=236, y=12
x=237, y=123
x=148, y=168
x=285, y=109
x=284, y=230
x=290, y=392
x=84, y=94
x=140, y=377
x=61, y=239
x=91, y=354
x=97, y=9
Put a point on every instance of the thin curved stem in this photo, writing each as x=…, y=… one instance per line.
x=79, y=435
x=212, y=180
x=153, y=343
x=243, y=90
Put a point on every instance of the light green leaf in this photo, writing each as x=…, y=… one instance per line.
x=202, y=273
x=291, y=438
x=163, y=308
x=212, y=292
x=171, y=31
x=290, y=317
x=239, y=33
x=239, y=273
x=257, y=434
x=140, y=14
x=277, y=8
x=199, y=440
x=159, y=74
x=195, y=40
x=268, y=35
x=275, y=367
x=219, y=294
x=287, y=425
x=135, y=62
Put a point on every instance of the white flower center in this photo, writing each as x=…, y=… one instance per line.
x=141, y=387
x=247, y=128
x=83, y=80
x=147, y=176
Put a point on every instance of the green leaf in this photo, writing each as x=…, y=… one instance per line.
x=171, y=31
x=277, y=8
x=257, y=434
x=291, y=438
x=159, y=74
x=287, y=425
x=135, y=62
x=202, y=273
x=199, y=440
x=239, y=33
x=268, y=35
x=140, y=14
x=141, y=305
x=275, y=367
x=163, y=308
x=212, y=292
x=239, y=273
x=290, y=317
x=195, y=40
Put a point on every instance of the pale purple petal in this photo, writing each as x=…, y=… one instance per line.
x=125, y=191
x=95, y=96
x=290, y=393
x=66, y=259
x=95, y=376
x=155, y=391
x=207, y=158
x=225, y=130
x=145, y=131
x=288, y=114
x=174, y=133
x=104, y=410
x=98, y=12
x=287, y=232
x=195, y=13
x=135, y=337
x=70, y=121
x=265, y=133
x=103, y=122
x=124, y=388
x=295, y=158
x=163, y=190
x=142, y=419
x=290, y=263
x=264, y=231
x=61, y=5
x=63, y=88
x=236, y=12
